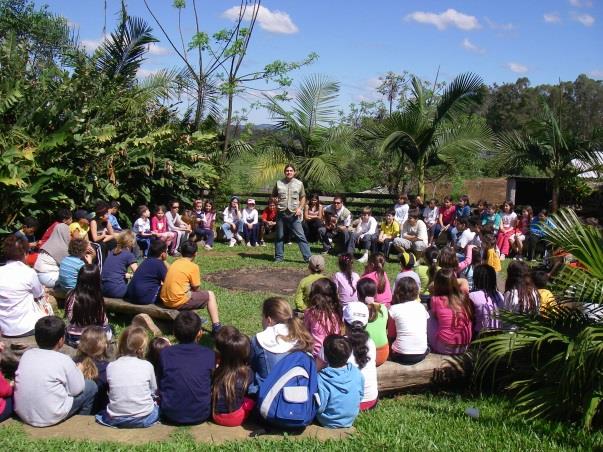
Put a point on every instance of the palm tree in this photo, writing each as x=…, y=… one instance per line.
x=554, y=362
x=558, y=153
x=429, y=130
x=310, y=139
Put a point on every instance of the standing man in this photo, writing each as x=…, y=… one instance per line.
x=291, y=198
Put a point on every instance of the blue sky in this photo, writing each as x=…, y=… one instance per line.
x=357, y=41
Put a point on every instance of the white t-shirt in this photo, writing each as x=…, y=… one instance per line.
x=401, y=213
x=141, y=226
x=507, y=220
x=132, y=384
x=465, y=239
x=19, y=287
x=430, y=216
x=369, y=372
x=249, y=216
x=370, y=227
x=411, y=328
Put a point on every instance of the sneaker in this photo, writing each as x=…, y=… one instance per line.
x=278, y=261
x=232, y=242
x=239, y=238
x=248, y=243
x=289, y=243
x=502, y=257
x=363, y=259
x=145, y=321
x=262, y=243
x=208, y=247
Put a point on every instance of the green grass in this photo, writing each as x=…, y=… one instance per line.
x=431, y=421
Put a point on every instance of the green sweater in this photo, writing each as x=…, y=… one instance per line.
x=302, y=294
x=377, y=329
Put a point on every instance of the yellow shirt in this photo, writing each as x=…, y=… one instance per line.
x=391, y=231
x=493, y=260
x=546, y=299
x=81, y=230
x=181, y=276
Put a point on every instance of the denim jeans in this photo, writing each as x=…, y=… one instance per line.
x=251, y=235
x=205, y=234
x=83, y=402
x=228, y=232
x=129, y=421
x=290, y=222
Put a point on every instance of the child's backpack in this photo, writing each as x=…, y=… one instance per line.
x=287, y=397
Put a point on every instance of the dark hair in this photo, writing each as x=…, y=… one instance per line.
x=289, y=165
x=155, y=346
x=100, y=211
x=314, y=197
x=406, y=289
x=463, y=221
x=114, y=204
x=473, y=220
x=172, y=202
x=15, y=248
x=77, y=247
x=233, y=374
x=186, y=327
x=63, y=214
x=323, y=300
x=413, y=213
x=403, y=196
x=376, y=263
x=337, y=350
x=30, y=222
x=391, y=212
x=48, y=331
x=358, y=337
x=488, y=241
x=346, y=265
x=447, y=258
x=157, y=248
x=188, y=249
x=445, y=284
x=368, y=288
x=86, y=300
x=160, y=208
x=465, y=199
x=510, y=204
x=544, y=212
x=519, y=278
x=279, y=310
x=448, y=198
x=540, y=278
x=142, y=209
x=431, y=260
x=484, y=279
x=210, y=202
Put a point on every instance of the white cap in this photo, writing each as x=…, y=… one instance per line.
x=356, y=311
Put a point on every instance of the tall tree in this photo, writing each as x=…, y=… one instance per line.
x=393, y=86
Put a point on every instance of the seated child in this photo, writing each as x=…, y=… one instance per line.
x=323, y=316
x=340, y=385
x=92, y=358
x=142, y=229
x=486, y=299
x=541, y=281
x=116, y=266
x=363, y=234
x=428, y=265
x=388, y=231
x=490, y=256
x=132, y=384
x=378, y=317
x=49, y=387
x=232, y=378
x=113, y=211
x=346, y=279
x=268, y=220
x=185, y=372
x=410, y=318
x=80, y=226
x=6, y=395
x=156, y=346
x=146, y=282
x=375, y=270
x=316, y=265
x=70, y=266
x=251, y=226
x=182, y=286
x=27, y=232
x=159, y=227
x=85, y=306
x=407, y=266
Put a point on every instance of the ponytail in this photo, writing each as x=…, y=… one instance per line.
x=346, y=265
x=89, y=369
x=358, y=338
x=297, y=332
x=376, y=263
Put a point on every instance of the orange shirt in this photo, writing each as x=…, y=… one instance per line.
x=181, y=276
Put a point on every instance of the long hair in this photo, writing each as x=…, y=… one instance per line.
x=447, y=258
x=324, y=302
x=376, y=263
x=88, y=304
x=430, y=257
x=346, y=265
x=92, y=347
x=367, y=290
x=358, y=338
x=125, y=241
x=520, y=279
x=133, y=342
x=233, y=373
x=484, y=279
x=445, y=284
x=154, y=350
x=279, y=310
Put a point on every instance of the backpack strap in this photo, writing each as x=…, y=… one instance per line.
x=278, y=385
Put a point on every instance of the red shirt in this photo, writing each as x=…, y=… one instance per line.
x=6, y=390
x=268, y=214
x=448, y=215
x=454, y=328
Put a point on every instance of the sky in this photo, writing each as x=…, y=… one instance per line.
x=360, y=40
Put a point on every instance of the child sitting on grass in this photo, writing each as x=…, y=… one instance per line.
x=375, y=270
x=541, y=282
x=407, y=269
x=346, y=279
x=156, y=346
x=132, y=384
x=146, y=282
x=182, y=286
x=116, y=266
x=316, y=266
x=340, y=385
x=142, y=229
x=92, y=358
x=378, y=317
x=323, y=316
x=70, y=266
x=185, y=373
x=232, y=378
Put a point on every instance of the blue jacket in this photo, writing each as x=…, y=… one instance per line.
x=341, y=390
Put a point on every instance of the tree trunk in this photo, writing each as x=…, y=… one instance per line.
x=555, y=194
x=421, y=179
x=227, y=127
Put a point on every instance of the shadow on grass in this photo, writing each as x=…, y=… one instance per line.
x=268, y=258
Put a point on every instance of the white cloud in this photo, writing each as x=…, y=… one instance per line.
x=552, y=18
x=471, y=47
x=496, y=26
x=450, y=17
x=92, y=44
x=581, y=3
x=597, y=73
x=585, y=19
x=157, y=50
x=517, y=68
x=272, y=21
x=142, y=72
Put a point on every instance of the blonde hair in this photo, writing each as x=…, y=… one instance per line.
x=279, y=311
x=133, y=342
x=125, y=241
x=93, y=346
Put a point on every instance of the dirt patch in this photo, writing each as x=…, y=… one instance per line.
x=278, y=281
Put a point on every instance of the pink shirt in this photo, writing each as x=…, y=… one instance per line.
x=448, y=215
x=158, y=225
x=319, y=331
x=454, y=328
x=384, y=297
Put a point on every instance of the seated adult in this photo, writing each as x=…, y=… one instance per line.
x=176, y=224
x=102, y=236
x=413, y=236
x=339, y=235
x=54, y=249
x=313, y=218
x=20, y=290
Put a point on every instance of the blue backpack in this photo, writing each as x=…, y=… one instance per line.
x=287, y=397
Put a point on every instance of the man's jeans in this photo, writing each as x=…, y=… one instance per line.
x=84, y=401
x=290, y=222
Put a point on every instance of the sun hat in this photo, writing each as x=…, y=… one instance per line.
x=356, y=311
x=251, y=201
x=316, y=263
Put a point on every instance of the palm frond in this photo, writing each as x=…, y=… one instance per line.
x=458, y=95
x=315, y=102
x=321, y=171
x=462, y=135
x=268, y=165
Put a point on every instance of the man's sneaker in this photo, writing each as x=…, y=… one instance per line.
x=232, y=242
x=363, y=259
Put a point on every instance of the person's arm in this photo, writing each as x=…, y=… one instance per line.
x=254, y=217
x=152, y=379
x=110, y=232
x=6, y=390
x=372, y=227
x=299, y=298
x=195, y=280
x=302, y=204
x=94, y=234
x=468, y=258
x=74, y=380
x=441, y=219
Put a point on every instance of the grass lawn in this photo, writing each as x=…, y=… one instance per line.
x=408, y=422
